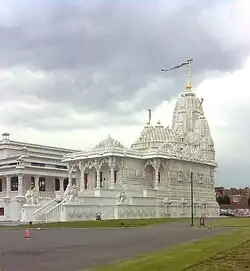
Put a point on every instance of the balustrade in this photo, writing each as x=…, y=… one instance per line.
x=54, y=214
x=39, y=213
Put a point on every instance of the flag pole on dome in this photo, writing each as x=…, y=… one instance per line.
x=188, y=62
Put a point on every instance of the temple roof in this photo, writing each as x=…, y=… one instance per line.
x=154, y=136
x=108, y=143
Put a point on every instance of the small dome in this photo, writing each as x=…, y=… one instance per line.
x=154, y=136
x=109, y=143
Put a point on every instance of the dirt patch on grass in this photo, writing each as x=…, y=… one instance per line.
x=234, y=259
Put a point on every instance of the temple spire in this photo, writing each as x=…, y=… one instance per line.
x=189, y=82
x=188, y=62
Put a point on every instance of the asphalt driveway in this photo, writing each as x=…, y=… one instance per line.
x=79, y=249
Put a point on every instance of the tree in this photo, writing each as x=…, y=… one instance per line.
x=223, y=200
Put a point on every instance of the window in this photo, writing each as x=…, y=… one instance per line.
x=1, y=211
x=101, y=179
x=12, y=164
x=1, y=185
x=115, y=176
x=61, y=166
x=159, y=176
x=85, y=181
x=65, y=183
x=37, y=164
x=32, y=182
x=57, y=184
x=14, y=184
x=42, y=184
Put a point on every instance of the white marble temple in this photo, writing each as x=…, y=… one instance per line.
x=150, y=179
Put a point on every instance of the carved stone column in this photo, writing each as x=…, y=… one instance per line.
x=98, y=180
x=20, y=185
x=156, y=165
x=112, y=165
x=7, y=205
x=156, y=177
x=36, y=183
x=98, y=166
x=112, y=175
x=70, y=170
x=8, y=185
x=82, y=181
x=61, y=180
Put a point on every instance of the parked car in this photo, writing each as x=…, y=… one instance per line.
x=226, y=212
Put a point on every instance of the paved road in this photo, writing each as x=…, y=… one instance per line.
x=79, y=249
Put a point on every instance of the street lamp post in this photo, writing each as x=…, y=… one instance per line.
x=192, y=198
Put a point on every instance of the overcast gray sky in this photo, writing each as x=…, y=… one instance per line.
x=71, y=72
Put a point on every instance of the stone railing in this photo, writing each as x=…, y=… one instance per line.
x=54, y=214
x=39, y=214
x=11, y=194
x=88, y=212
x=136, y=211
x=47, y=194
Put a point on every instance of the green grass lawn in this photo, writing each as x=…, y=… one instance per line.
x=198, y=255
x=234, y=259
x=102, y=223
x=231, y=222
x=228, y=251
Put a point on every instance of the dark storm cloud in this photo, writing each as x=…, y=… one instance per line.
x=104, y=53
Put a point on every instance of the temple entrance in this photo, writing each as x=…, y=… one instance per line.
x=65, y=183
x=104, y=176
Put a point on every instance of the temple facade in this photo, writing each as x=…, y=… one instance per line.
x=152, y=178
x=167, y=172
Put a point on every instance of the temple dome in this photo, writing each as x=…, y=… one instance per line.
x=108, y=143
x=154, y=136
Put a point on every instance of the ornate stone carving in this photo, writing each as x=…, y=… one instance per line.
x=136, y=212
x=187, y=146
x=98, y=163
x=180, y=177
x=32, y=196
x=112, y=162
x=122, y=197
x=6, y=199
x=71, y=193
x=70, y=168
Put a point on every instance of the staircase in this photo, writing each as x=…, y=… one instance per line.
x=38, y=215
x=54, y=214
